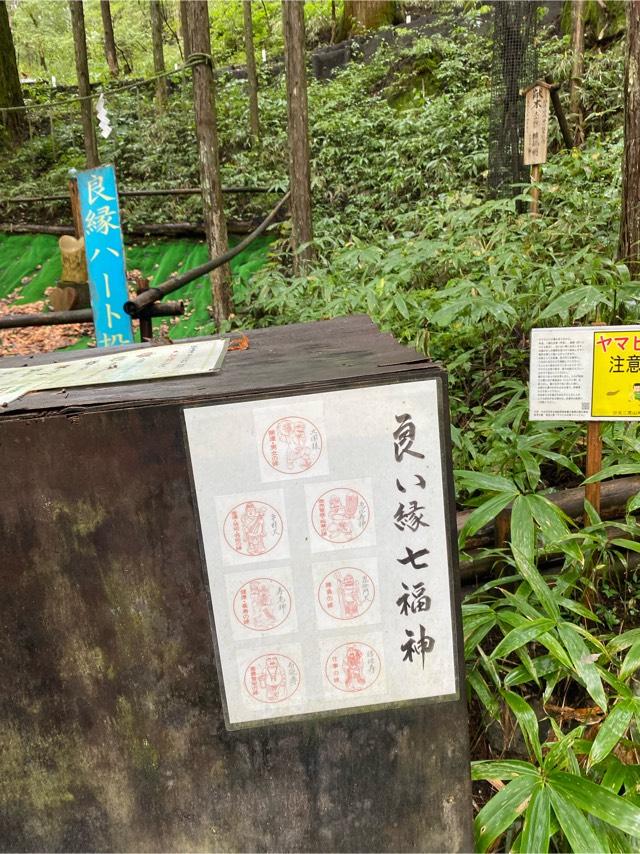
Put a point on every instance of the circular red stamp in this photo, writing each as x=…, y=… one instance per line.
x=262, y=604
x=353, y=667
x=346, y=593
x=253, y=528
x=272, y=678
x=340, y=515
x=292, y=445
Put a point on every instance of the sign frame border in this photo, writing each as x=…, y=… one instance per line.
x=455, y=595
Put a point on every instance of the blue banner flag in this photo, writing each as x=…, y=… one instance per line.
x=104, y=249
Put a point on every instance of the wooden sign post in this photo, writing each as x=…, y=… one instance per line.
x=586, y=373
x=536, y=129
x=104, y=249
x=593, y=462
x=593, y=466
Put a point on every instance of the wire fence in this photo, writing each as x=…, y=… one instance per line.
x=514, y=67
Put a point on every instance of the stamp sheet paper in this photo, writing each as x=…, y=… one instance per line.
x=323, y=527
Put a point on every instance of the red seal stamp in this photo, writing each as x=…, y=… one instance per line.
x=262, y=604
x=346, y=593
x=272, y=678
x=292, y=445
x=340, y=515
x=253, y=528
x=353, y=667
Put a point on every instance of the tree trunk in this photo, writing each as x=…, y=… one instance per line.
x=184, y=26
x=109, y=39
x=577, y=46
x=206, y=132
x=366, y=14
x=10, y=90
x=84, y=89
x=252, y=77
x=158, y=53
x=168, y=21
x=36, y=26
x=298, y=126
x=629, y=248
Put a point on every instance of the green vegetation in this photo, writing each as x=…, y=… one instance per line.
x=405, y=232
x=44, y=44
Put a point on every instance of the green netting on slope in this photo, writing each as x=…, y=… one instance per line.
x=161, y=260
x=36, y=259
x=25, y=256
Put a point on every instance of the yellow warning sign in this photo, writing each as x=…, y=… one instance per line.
x=615, y=391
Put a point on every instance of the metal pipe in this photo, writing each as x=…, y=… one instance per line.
x=133, y=306
x=84, y=315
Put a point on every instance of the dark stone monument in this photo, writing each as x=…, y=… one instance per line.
x=112, y=726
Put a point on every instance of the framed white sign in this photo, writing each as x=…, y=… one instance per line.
x=325, y=532
x=585, y=373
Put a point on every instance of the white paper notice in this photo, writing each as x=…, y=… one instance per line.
x=323, y=524
x=149, y=363
x=560, y=375
x=585, y=373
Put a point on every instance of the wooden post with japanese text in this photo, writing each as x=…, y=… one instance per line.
x=536, y=128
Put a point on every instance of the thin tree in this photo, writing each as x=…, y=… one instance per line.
x=10, y=89
x=84, y=88
x=206, y=131
x=629, y=246
x=158, y=52
x=109, y=39
x=168, y=20
x=252, y=76
x=298, y=127
x=184, y=26
x=31, y=13
x=577, y=69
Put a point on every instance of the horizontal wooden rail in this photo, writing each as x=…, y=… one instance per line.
x=613, y=499
x=154, y=229
x=479, y=567
x=128, y=194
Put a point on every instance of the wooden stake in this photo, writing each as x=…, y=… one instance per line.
x=75, y=207
x=594, y=459
x=536, y=174
x=502, y=528
x=593, y=466
x=146, y=324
